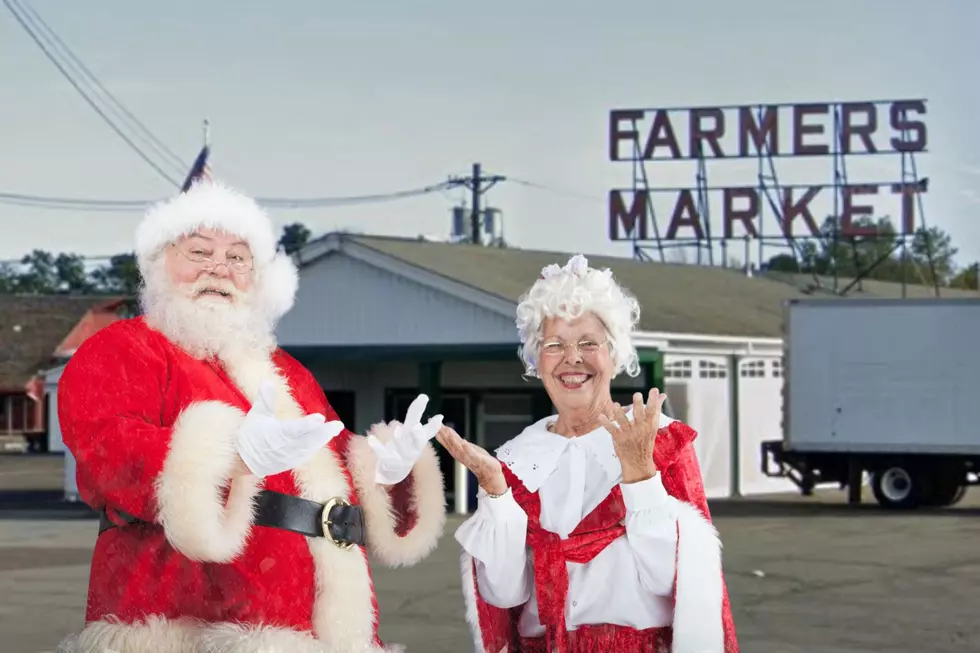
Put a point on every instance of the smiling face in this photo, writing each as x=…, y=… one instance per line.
x=211, y=266
x=201, y=294
x=575, y=364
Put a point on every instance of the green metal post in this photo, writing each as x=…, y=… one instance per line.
x=652, y=367
x=735, y=485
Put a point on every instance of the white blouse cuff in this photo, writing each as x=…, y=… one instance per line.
x=500, y=509
x=644, y=495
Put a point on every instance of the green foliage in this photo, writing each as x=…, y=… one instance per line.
x=294, y=236
x=44, y=273
x=928, y=256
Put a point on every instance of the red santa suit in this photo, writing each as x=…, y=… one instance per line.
x=571, y=560
x=153, y=431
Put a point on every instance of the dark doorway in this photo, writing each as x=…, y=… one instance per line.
x=343, y=402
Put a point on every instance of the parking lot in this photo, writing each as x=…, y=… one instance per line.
x=807, y=575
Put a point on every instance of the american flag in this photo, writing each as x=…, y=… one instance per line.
x=199, y=170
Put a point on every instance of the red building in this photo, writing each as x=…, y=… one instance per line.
x=38, y=332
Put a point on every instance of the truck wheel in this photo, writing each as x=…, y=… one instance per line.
x=896, y=487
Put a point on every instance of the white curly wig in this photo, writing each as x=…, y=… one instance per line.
x=570, y=292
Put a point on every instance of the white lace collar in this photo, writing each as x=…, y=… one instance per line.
x=534, y=454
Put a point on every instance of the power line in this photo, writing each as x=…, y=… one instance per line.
x=555, y=189
x=316, y=202
x=15, y=9
x=104, y=205
x=37, y=201
x=477, y=183
x=142, y=131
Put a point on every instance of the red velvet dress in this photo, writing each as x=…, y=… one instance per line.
x=152, y=431
x=495, y=629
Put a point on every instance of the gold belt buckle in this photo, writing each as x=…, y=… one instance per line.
x=325, y=520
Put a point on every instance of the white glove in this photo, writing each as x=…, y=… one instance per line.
x=396, y=458
x=269, y=445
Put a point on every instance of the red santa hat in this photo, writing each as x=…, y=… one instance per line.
x=211, y=204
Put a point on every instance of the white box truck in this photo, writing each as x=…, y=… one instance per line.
x=887, y=387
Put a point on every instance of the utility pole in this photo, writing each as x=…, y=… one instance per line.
x=478, y=185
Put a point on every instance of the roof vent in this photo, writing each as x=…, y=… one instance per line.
x=18, y=328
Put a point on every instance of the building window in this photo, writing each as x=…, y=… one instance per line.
x=504, y=416
x=753, y=369
x=678, y=369
x=712, y=370
x=507, y=405
x=777, y=368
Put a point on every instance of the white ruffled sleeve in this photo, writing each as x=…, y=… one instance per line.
x=496, y=537
x=651, y=530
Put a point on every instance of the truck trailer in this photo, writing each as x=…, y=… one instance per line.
x=884, y=389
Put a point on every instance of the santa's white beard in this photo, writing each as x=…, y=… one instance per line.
x=205, y=326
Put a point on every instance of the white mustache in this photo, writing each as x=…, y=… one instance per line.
x=214, y=285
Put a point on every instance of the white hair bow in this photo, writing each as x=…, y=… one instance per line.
x=577, y=265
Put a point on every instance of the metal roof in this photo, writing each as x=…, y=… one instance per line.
x=674, y=297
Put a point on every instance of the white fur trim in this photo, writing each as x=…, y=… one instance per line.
x=277, y=284
x=234, y=638
x=469, y=600
x=195, y=517
x=343, y=613
x=208, y=204
x=697, y=625
x=155, y=634
x=159, y=635
x=428, y=500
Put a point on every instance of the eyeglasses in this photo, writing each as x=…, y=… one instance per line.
x=558, y=348
x=237, y=260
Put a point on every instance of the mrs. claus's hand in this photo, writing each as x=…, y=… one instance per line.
x=634, y=439
x=478, y=460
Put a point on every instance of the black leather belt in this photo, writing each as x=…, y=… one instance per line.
x=337, y=520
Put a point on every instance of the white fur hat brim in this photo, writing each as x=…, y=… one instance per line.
x=277, y=285
x=211, y=205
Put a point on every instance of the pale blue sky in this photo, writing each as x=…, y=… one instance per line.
x=320, y=98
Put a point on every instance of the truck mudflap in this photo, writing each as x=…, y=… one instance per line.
x=776, y=462
x=772, y=459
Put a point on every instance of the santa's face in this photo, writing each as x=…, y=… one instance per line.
x=200, y=294
x=213, y=265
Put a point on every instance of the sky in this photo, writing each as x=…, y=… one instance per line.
x=320, y=99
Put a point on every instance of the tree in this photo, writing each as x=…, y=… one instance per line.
x=42, y=272
x=7, y=278
x=935, y=244
x=966, y=278
x=120, y=276
x=927, y=258
x=294, y=236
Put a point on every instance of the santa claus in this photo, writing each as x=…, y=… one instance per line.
x=237, y=511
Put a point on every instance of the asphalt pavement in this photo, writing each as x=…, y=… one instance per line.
x=804, y=574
